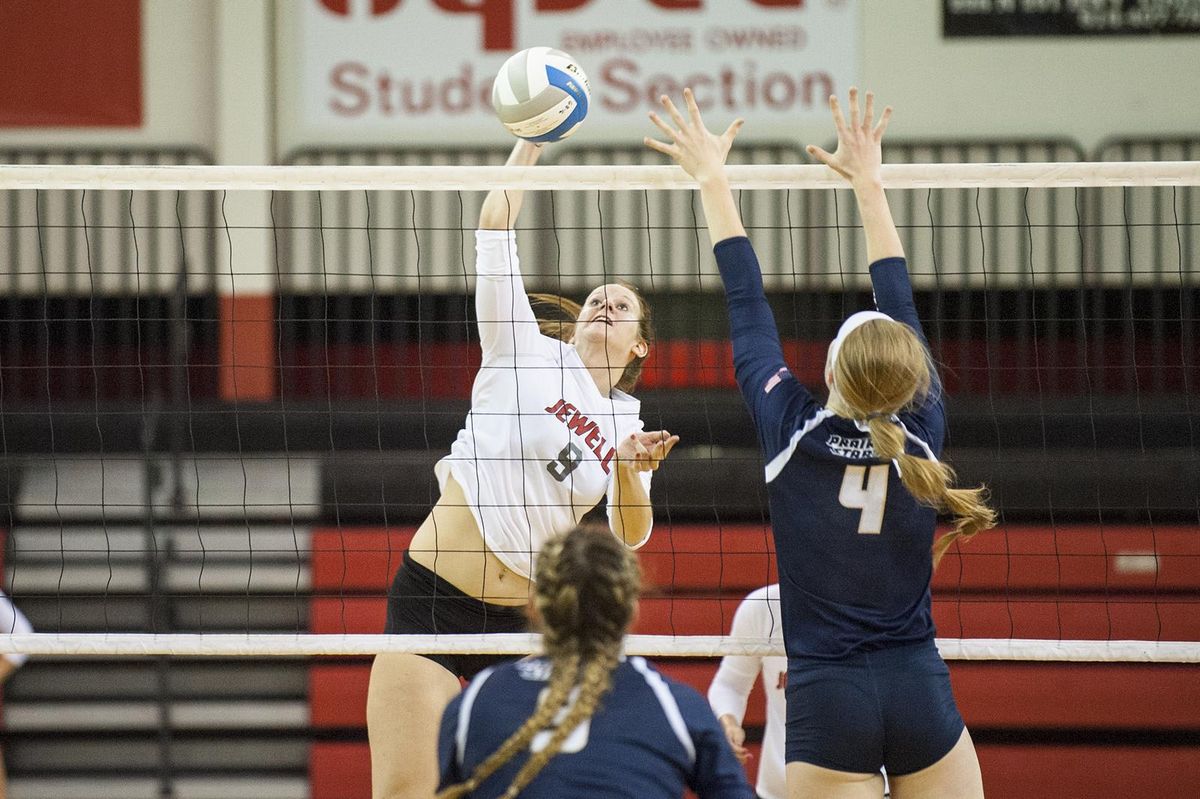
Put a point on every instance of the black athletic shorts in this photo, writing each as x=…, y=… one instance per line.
x=891, y=707
x=419, y=602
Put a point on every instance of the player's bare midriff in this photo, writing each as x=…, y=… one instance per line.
x=449, y=543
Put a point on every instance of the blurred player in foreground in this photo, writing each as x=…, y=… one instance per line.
x=583, y=720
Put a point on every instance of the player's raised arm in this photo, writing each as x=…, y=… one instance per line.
x=761, y=372
x=507, y=323
x=502, y=206
x=858, y=159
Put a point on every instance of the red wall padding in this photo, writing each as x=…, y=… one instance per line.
x=341, y=771
x=338, y=770
x=1055, y=772
x=1038, y=582
x=738, y=558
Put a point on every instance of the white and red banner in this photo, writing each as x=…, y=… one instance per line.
x=420, y=71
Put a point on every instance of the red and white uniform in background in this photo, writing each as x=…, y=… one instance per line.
x=13, y=622
x=758, y=616
x=538, y=449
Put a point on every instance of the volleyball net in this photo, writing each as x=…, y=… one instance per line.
x=223, y=389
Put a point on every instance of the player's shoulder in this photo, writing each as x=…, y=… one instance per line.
x=759, y=614
x=510, y=679
x=673, y=696
x=767, y=592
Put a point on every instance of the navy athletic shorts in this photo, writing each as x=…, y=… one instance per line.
x=419, y=602
x=888, y=707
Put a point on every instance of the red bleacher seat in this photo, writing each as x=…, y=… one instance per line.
x=733, y=559
x=337, y=694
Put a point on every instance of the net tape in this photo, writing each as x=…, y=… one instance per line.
x=284, y=645
x=586, y=178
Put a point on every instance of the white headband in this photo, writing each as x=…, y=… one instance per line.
x=852, y=323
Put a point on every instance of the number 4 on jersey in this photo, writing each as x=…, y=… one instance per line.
x=866, y=495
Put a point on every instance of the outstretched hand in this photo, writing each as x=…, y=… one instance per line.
x=700, y=152
x=644, y=450
x=859, y=150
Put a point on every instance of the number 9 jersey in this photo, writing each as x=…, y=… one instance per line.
x=854, y=547
x=538, y=448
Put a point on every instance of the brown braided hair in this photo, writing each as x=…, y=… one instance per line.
x=881, y=369
x=587, y=588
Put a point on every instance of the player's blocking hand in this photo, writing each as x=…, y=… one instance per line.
x=645, y=450
x=694, y=147
x=859, y=151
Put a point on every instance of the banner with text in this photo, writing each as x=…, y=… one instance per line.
x=962, y=18
x=421, y=71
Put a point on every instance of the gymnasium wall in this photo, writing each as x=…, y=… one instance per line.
x=177, y=86
x=1083, y=88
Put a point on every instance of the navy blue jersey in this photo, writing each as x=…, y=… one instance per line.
x=853, y=545
x=650, y=737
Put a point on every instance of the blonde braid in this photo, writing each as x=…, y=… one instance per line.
x=558, y=690
x=596, y=679
x=587, y=589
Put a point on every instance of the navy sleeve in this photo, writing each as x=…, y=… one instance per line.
x=776, y=399
x=894, y=297
x=447, y=746
x=717, y=774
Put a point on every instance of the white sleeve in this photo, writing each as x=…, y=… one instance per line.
x=506, y=321
x=646, y=478
x=735, y=678
x=13, y=622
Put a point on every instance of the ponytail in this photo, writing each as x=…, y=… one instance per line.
x=930, y=481
x=881, y=368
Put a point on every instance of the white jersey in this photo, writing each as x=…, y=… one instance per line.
x=13, y=622
x=758, y=616
x=539, y=446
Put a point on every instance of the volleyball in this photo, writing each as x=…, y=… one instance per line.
x=541, y=94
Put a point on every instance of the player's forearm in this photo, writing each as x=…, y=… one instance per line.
x=883, y=240
x=632, y=516
x=502, y=206
x=730, y=688
x=720, y=210
x=757, y=352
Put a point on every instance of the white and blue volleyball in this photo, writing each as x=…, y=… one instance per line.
x=541, y=94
